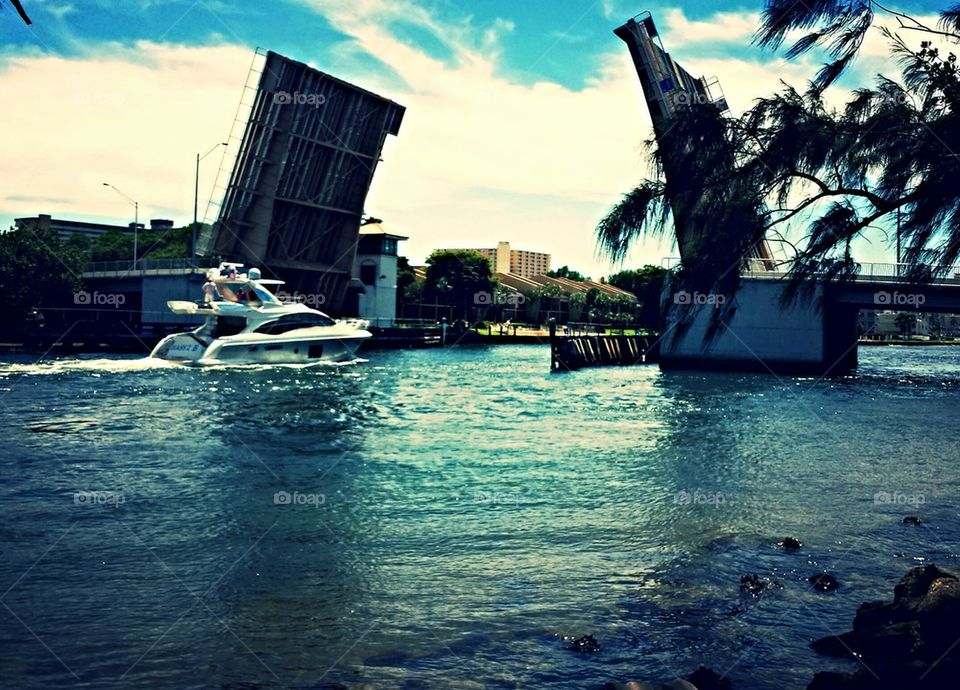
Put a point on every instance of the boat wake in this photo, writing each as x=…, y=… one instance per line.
x=215, y=365
x=96, y=365
x=122, y=365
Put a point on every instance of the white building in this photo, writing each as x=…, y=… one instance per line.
x=376, y=267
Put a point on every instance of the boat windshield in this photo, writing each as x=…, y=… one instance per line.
x=245, y=292
x=292, y=322
x=228, y=325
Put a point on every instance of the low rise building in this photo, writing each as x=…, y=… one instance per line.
x=66, y=228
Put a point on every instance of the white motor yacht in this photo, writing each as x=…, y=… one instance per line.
x=247, y=323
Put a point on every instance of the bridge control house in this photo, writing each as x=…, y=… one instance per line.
x=375, y=273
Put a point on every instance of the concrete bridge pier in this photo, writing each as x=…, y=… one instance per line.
x=815, y=335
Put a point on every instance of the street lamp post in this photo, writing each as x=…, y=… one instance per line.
x=136, y=219
x=196, y=199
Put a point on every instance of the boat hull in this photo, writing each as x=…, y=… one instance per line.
x=190, y=349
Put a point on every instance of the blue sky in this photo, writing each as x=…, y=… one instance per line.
x=524, y=119
x=562, y=41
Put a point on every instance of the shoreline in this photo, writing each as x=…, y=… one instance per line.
x=908, y=343
x=131, y=344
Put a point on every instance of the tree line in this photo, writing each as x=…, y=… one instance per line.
x=463, y=282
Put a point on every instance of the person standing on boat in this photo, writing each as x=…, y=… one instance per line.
x=210, y=292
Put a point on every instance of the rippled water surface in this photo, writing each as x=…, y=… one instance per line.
x=447, y=518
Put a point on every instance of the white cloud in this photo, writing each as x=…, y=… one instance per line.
x=59, y=11
x=479, y=158
x=874, y=57
x=134, y=117
x=550, y=159
x=722, y=27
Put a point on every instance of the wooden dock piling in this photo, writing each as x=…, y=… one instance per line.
x=568, y=352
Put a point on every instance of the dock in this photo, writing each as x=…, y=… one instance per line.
x=570, y=352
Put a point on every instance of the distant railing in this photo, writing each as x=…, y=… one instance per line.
x=149, y=265
x=585, y=328
x=401, y=323
x=893, y=270
x=757, y=268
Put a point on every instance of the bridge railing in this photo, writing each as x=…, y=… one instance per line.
x=893, y=270
x=757, y=268
x=127, y=265
x=754, y=266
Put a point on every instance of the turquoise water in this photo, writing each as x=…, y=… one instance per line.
x=450, y=517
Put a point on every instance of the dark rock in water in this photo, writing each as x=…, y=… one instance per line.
x=707, y=679
x=823, y=582
x=872, y=614
x=584, y=645
x=917, y=582
x=904, y=644
x=912, y=520
x=939, y=613
x=752, y=585
x=828, y=680
x=701, y=679
x=790, y=543
x=907, y=676
x=898, y=640
x=755, y=586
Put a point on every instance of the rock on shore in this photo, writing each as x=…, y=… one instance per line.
x=701, y=679
x=908, y=643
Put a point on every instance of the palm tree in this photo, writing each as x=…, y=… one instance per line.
x=22, y=12
x=893, y=151
x=905, y=322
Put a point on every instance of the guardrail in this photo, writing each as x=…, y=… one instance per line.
x=149, y=265
x=586, y=328
x=402, y=323
x=756, y=268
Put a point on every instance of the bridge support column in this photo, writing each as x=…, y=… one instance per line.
x=758, y=332
x=840, y=335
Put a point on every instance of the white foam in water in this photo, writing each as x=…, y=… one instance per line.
x=100, y=364
x=125, y=365
x=264, y=366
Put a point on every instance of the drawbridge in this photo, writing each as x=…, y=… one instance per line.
x=668, y=88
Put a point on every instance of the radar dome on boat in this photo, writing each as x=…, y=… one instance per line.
x=253, y=274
